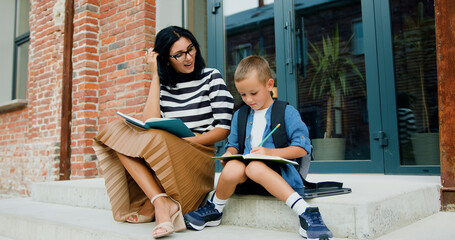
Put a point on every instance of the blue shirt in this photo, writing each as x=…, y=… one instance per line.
x=296, y=131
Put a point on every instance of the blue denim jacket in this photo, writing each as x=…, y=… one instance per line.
x=296, y=131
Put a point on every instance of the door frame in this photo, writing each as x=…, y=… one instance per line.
x=388, y=100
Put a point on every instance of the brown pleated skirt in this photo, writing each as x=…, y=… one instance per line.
x=184, y=169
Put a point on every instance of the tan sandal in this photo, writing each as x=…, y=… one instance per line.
x=176, y=224
x=140, y=218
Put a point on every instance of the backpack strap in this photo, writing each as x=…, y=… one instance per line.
x=241, y=126
x=280, y=138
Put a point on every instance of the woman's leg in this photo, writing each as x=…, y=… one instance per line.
x=269, y=179
x=137, y=168
x=233, y=174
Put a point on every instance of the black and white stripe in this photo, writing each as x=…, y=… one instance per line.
x=202, y=104
x=406, y=124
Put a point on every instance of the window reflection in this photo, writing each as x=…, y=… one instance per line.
x=249, y=26
x=413, y=31
x=331, y=78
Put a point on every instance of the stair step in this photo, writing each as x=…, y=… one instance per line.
x=26, y=219
x=89, y=193
x=377, y=205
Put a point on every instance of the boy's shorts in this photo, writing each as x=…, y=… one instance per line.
x=251, y=187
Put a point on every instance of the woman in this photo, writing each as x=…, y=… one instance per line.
x=149, y=173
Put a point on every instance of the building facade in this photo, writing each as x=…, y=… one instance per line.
x=374, y=106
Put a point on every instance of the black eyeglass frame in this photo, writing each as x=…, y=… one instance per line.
x=188, y=51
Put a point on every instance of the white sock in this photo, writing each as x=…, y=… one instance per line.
x=219, y=204
x=297, y=203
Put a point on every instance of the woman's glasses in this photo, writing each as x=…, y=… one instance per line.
x=181, y=56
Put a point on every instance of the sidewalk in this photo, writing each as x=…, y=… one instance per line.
x=6, y=195
x=439, y=226
x=380, y=207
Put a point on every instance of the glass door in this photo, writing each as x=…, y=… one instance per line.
x=414, y=89
x=249, y=30
x=335, y=89
x=355, y=70
x=331, y=79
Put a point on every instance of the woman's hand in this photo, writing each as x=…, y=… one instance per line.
x=209, y=138
x=151, y=59
x=152, y=105
x=191, y=139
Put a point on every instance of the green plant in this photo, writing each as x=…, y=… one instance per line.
x=414, y=40
x=331, y=70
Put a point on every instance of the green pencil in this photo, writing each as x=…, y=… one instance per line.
x=270, y=134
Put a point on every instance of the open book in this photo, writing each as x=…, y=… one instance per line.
x=172, y=125
x=256, y=157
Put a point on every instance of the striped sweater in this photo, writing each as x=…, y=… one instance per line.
x=202, y=104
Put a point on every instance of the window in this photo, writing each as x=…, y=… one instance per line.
x=357, y=38
x=14, y=43
x=21, y=44
x=6, y=48
x=240, y=52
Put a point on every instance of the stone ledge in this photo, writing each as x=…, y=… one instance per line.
x=12, y=105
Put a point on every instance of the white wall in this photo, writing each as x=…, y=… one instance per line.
x=168, y=13
x=6, y=49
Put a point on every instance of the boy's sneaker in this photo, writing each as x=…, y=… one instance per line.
x=204, y=216
x=312, y=226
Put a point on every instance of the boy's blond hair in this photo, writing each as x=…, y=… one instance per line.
x=252, y=64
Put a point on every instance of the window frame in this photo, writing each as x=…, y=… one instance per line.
x=18, y=42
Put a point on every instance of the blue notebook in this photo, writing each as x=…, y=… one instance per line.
x=172, y=125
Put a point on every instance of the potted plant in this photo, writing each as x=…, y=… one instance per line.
x=331, y=82
x=414, y=39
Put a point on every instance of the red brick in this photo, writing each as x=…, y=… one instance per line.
x=108, y=40
x=99, y=89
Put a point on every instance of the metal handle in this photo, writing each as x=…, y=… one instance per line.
x=289, y=57
x=381, y=138
x=215, y=7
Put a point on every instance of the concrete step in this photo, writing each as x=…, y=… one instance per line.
x=26, y=219
x=378, y=204
x=89, y=193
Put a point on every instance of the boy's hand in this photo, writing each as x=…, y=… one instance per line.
x=262, y=151
x=227, y=153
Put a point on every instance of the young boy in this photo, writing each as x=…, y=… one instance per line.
x=253, y=80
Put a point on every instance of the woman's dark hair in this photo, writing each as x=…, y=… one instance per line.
x=163, y=43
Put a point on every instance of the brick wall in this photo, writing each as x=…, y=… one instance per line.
x=85, y=87
x=29, y=137
x=109, y=74
x=127, y=29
